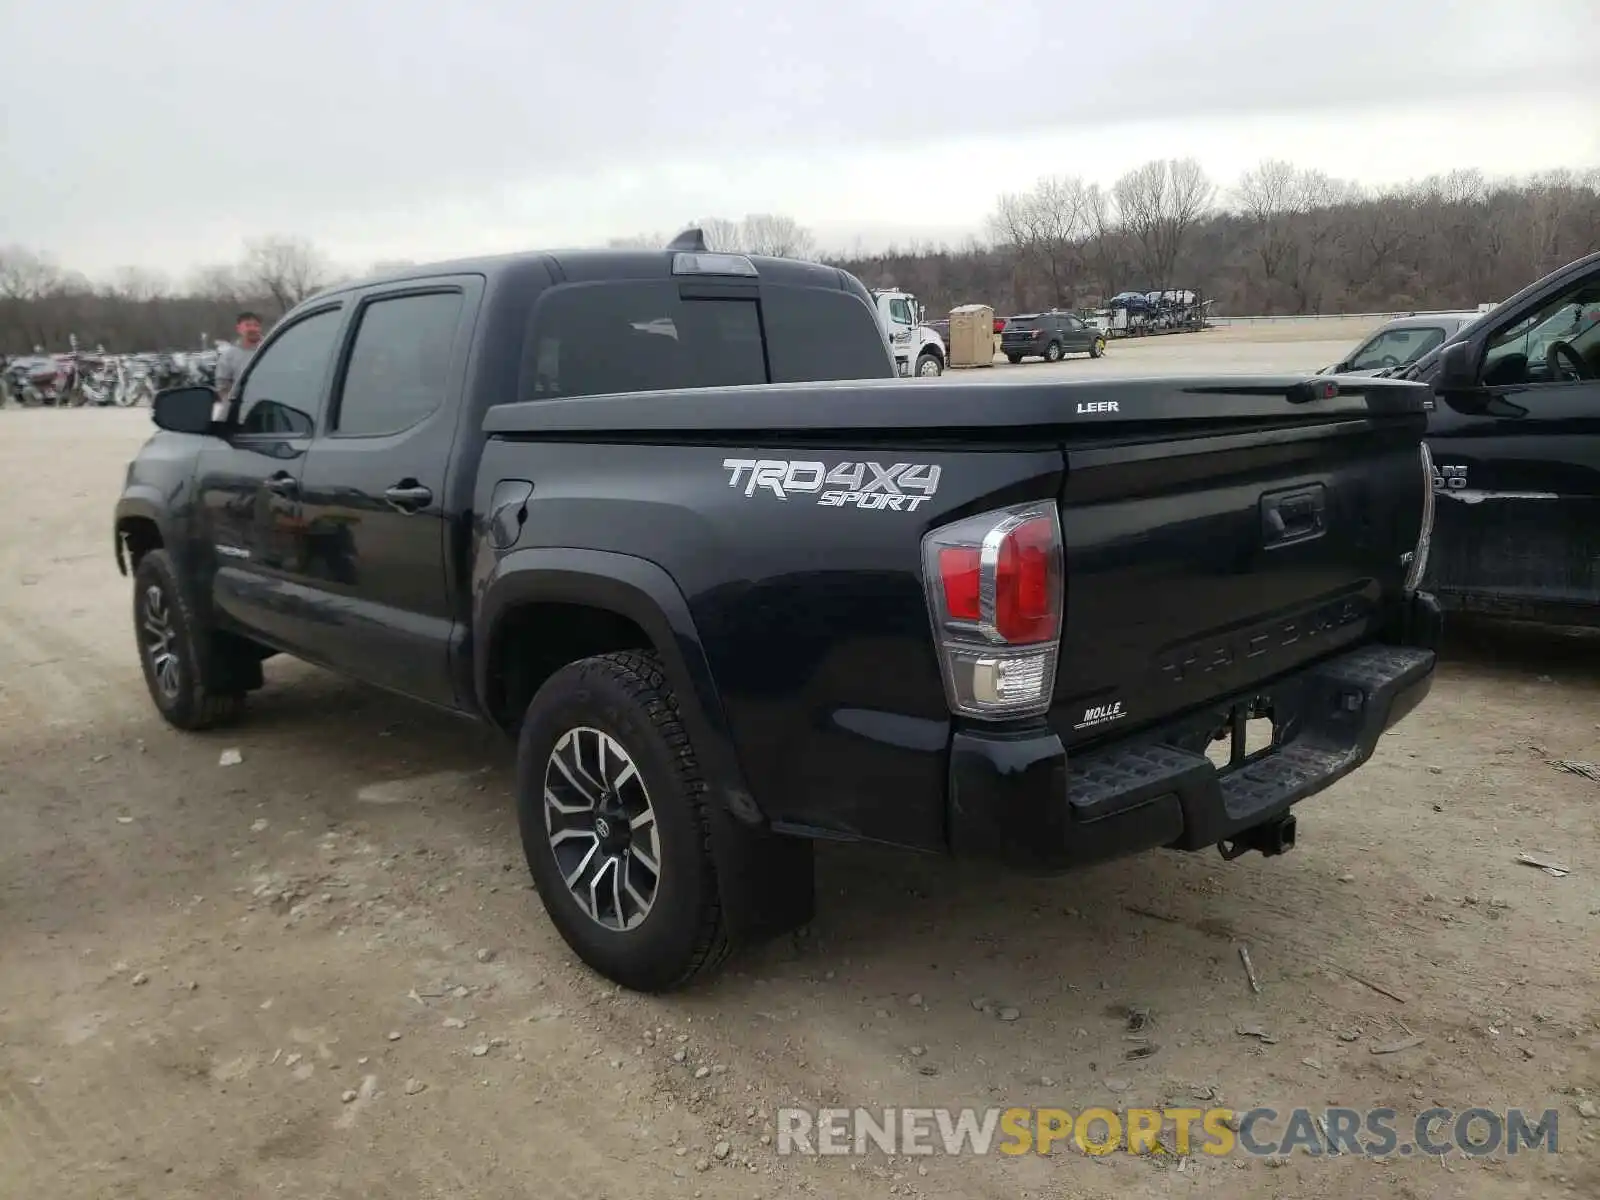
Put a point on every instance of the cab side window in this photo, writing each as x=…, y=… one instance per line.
x=900, y=312
x=1557, y=343
x=399, y=368
x=284, y=385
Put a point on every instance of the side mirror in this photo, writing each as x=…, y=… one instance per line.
x=184, y=409
x=1458, y=370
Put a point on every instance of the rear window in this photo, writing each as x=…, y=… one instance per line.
x=635, y=336
x=1021, y=323
x=590, y=339
x=815, y=334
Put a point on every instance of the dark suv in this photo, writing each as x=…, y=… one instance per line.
x=1049, y=336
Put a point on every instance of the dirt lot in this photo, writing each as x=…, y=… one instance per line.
x=320, y=972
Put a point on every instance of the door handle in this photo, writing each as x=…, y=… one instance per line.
x=408, y=496
x=282, y=484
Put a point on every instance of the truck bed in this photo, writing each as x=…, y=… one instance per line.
x=1219, y=534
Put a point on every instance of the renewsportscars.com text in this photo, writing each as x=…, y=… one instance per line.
x=1259, y=1132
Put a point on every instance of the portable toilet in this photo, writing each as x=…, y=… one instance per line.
x=972, y=336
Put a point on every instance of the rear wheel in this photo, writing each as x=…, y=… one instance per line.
x=1098, y=349
x=929, y=366
x=191, y=674
x=1052, y=352
x=1013, y=359
x=611, y=809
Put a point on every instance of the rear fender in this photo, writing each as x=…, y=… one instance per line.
x=765, y=879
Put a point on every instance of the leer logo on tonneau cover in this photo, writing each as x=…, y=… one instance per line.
x=845, y=485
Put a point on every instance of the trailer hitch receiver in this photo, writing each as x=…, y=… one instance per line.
x=1271, y=839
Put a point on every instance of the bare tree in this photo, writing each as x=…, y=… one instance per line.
x=1295, y=225
x=1158, y=205
x=25, y=275
x=286, y=269
x=723, y=234
x=139, y=284
x=1268, y=197
x=1049, y=227
x=1378, y=229
x=219, y=282
x=775, y=235
x=1105, y=249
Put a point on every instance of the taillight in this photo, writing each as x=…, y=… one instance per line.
x=1419, y=556
x=996, y=593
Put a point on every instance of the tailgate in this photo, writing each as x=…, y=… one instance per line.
x=1201, y=565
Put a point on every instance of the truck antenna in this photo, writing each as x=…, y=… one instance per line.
x=692, y=240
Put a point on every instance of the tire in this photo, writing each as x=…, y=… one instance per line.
x=1098, y=349
x=1052, y=352
x=929, y=366
x=679, y=932
x=1013, y=359
x=190, y=673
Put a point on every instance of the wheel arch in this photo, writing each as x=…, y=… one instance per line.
x=602, y=601
x=139, y=527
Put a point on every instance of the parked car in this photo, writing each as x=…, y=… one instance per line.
x=558, y=493
x=1515, y=438
x=1399, y=342
x=1049, y=335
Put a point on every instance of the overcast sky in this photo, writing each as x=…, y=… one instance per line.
x=163, y=132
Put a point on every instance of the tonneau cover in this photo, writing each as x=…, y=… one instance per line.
x=918, y=406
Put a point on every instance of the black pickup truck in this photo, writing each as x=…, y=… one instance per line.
x=1515, y=436
x=621, y=505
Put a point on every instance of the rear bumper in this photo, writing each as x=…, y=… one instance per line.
x=1016, y=795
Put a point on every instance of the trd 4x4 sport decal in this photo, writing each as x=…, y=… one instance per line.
x=899, y=487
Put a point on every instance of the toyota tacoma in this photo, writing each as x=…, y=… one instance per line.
x=668, y=519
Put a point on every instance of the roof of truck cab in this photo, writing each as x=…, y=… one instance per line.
x=595, y=264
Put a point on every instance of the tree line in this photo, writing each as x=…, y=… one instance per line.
x=1280, y=240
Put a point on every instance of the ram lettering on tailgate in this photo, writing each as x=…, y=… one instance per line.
x=899, y=487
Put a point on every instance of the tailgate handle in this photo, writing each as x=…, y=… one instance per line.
x=1297, y=516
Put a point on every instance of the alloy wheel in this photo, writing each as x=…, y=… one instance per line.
x=602, y=828
x=160, y=641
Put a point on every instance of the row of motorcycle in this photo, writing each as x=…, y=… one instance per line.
x=79, y=379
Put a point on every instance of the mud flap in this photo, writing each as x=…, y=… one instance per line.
x=767, y=881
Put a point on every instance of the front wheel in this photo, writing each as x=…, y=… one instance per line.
x=929, y=366
x=1052, y=352
x=1098, y=349
x=611, y=807
x=189, y=674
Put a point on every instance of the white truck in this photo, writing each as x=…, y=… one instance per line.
x=917, y=349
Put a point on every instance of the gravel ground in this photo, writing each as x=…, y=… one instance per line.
x=320, y=971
